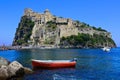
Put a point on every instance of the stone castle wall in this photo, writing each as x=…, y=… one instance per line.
x=37, y=17
x=61, y=20
x=65, y=27
x=67, y=31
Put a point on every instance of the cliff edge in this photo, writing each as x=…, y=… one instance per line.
x=45, y=29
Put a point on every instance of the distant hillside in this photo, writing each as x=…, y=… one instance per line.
x=45, y=29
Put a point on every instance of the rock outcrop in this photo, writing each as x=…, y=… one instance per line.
x=4, y=73
x=4, y=61
x=14, y=69
x=43, y=29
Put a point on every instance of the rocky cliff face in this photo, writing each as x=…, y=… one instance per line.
x=45, y=29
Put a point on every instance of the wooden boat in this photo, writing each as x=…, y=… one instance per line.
x=53, y=63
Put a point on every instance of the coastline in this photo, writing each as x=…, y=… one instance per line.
x=3, y=48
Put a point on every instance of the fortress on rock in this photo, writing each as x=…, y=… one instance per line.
x=49, y=29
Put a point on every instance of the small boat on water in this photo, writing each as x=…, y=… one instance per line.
x=106, y=49
x=53, y=63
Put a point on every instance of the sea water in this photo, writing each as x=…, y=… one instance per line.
x=92, y=64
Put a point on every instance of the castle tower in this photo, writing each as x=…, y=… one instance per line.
x=48, y=16
x=28, y=11
x=70, y=22
x=46, y=12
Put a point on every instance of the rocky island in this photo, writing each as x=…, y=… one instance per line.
x=44, y=29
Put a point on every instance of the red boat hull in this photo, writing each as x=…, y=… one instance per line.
x=53, y=64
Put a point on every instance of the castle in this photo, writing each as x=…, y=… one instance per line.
x=65, y=27
x=48, y=30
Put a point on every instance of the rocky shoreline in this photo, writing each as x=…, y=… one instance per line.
x=13, y=70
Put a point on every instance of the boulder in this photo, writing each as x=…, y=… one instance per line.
x=27, y=70
x=4, y=74
x=4, y=61
x=15, y=68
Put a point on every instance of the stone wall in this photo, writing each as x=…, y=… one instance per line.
x=67, y=31
x=64, y=24
x=61, y=20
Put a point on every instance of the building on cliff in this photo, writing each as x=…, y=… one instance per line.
x=40, y=33
x=49, y=29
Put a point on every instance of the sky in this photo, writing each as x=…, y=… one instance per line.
x=98, y=13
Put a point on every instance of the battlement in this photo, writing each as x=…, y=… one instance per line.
x=47, y=11
x=28, y=11
x=41, y=18
x=61, y=20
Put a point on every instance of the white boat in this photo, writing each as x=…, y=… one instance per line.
x=107, y=49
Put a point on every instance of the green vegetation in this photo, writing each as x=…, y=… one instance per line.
x=50, y=40
x=51, y=25
x=84, y=25
x=85, y=40
x=24, y=31
x=99, y=29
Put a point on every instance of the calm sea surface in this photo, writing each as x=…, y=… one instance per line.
x=92, y=64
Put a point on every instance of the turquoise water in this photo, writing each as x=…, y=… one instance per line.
x=92, y=64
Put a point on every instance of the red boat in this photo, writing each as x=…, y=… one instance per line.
x=53, y=63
